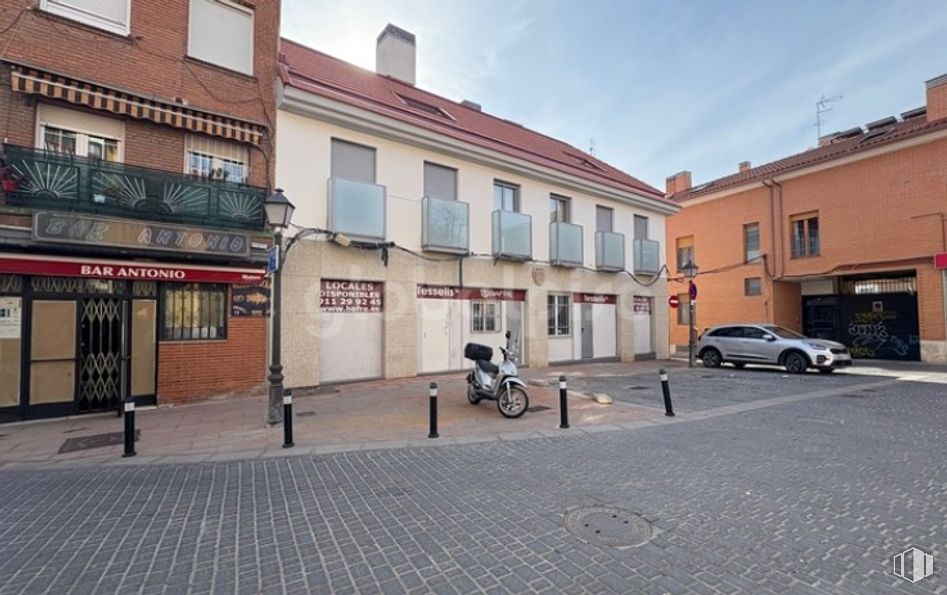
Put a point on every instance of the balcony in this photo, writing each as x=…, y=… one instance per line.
x=445, y=225
x=565, y=244
x=43, y=179
x=647, y=257
x=609, y=251
x=357, y=210
x=512, y=235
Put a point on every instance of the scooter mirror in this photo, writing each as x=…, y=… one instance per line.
x=508, y=334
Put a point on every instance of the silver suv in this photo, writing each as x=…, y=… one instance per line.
x=742, y=344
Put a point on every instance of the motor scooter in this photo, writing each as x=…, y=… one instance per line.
x=496, y=383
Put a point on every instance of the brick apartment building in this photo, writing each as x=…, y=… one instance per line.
x=845, y=241
x=137, y=152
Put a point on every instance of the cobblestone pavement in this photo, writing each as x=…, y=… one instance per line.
x=812, y=496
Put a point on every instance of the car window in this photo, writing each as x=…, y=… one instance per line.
x=785, y=333
x=728, y=331
x=751, y=332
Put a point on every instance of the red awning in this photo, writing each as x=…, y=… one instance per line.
x=54, y=266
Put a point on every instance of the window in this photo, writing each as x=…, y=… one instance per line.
x=485, y=317
x=353, y=162
x=221, y=32
x=217, y=159
x=805, y=235
x=558, y=315
x=604, y=219
x=423, y=107
x=440, y=181
x=751, y=332
x=683, y=312
x=685, y=251
x=641, y=227
x=111, y=15
x=506, y=197
x=752, y=286
x=751, y=242
x=559, y=208
x=193, y=311
x=732, y=332
x=59, y=140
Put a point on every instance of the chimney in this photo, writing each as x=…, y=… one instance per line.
x=744, y=166
x=679, y=182
x=828, y=139
x=937, y=98
x=395, y=54
x=471, y=104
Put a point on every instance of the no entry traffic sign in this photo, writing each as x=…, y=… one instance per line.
x=673, y=301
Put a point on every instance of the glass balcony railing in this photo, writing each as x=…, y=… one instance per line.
x=43, y=179
x=445, y=225
x=609, y=251
x=647, y=257
x=357, y=209
x=512, y=235
x=565, y=244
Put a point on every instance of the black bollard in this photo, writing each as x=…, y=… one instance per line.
x=288, y=418
x=563, y=405
x=433, y=410
x=129, y=406
x=668, y=409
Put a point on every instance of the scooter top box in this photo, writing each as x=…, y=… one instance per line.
x=476, y=351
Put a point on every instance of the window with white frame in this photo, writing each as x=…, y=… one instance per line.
x=558, y=315
x=71, y=142
x=485, y=317
x=221, y=32
x=217, y=159
x=111, y=15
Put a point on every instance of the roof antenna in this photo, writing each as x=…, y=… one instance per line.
x=592, y=147
x=820, y=108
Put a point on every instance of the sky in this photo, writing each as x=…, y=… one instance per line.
x=654, y=86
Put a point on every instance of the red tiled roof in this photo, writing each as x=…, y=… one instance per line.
x=313, y=71
x=846, y=143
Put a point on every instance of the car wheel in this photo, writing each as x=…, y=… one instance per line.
x=795, y=363
x=711, y=358
x=739, y=365
x=826, y=370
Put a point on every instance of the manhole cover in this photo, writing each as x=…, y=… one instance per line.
x=305, y=414
x=605, y=525
x=538, y=408
x=95, y=441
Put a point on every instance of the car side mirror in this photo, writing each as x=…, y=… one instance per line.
x=770, y=338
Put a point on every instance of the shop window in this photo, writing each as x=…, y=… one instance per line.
x=751, y=242
x=111, y=15
x=506, y=197
x=752, y=286
x=485, y=317
x=217, y=159
x=559, y=208
x=805, y=235
x=559, y=320
x=685, y=251
x=221, y=32
x=191, y=311
x=683, y=312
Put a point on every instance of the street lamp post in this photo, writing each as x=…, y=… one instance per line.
x=690, y=271
x=279, y=214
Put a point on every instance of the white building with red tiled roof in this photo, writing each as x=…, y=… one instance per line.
x=457, y=226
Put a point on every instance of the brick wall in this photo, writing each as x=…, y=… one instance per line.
x=195, y=370
x=885, y=213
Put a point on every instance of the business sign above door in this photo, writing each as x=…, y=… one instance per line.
x=940, y=260
x=85, y=229
x=594, y=298
x=23, y=264
x=448, y=292
x=341, y=295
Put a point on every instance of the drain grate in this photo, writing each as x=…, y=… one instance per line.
x=305, y=414
x=73, y=430
x=95, y=441
x=606, y=525
x=637, y=387
x=538, y=408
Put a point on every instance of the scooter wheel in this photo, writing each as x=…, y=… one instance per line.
x=513, y=403
x=472, y=396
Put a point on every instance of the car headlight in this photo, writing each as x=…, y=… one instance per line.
x=817, y=347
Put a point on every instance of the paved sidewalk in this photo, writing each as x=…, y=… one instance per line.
x=351, y=417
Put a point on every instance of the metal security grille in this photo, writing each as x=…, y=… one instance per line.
x=11, y=283
x=77, y=285
x=906, y=284
x=101, y=352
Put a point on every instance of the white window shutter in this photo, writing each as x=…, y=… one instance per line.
x=221, y=33
x=108, y=14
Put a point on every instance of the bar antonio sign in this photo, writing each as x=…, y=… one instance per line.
x=111, y=269
x=85, y=229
